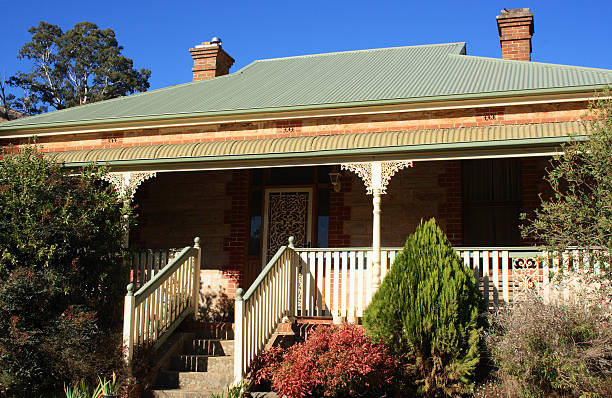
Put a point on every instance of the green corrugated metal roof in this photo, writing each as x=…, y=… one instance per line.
x=321, y=144
x=352, y=77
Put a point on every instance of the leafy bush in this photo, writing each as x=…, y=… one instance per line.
x=558, y=349
x=61, y=274
x=337, y=361
x=427, y=308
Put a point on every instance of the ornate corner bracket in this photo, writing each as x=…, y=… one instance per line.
x=376, y=175
x=126, y=183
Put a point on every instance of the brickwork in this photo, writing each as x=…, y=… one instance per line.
x=237, y=217
x=429, y=189
x=405, y=121
x=339, y=214
x=515, y=32
x=210, y=60
x=533, y=170
x=175, y=207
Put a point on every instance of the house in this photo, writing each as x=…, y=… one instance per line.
x=345, y=152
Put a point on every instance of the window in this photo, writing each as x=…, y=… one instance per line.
x=323, y=217
x=491, y=202
x=255, y=224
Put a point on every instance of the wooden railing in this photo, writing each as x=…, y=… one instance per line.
x=153, y=312
x=259, y=311
x=338, y=282
x=145, y=263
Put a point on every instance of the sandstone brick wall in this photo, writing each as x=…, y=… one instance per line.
x=175, y=207
x=429, y=189
x=533, y=170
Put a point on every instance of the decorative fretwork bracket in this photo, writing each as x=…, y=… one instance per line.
x=126, y=182
x=376, y=175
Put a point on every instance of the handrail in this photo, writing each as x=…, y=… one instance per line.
x=259, y=311
x=263, y=273
x=155, y=310
x=163, y=274
x=145, y=263
x=459, y=248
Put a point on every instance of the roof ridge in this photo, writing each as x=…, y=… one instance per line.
x=544, y=64
x=366, y=50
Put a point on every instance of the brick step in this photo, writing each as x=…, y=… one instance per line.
x=203, y=363
x=212, y=347
x=193, y=381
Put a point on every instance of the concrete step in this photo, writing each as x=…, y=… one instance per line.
x=203, y=363
x=212, y=347
x=182, y=394
x=193, y=381
x=210, y=330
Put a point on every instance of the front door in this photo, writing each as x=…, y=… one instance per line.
x=287, y=212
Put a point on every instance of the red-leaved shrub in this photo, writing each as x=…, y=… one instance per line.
x=334, y=361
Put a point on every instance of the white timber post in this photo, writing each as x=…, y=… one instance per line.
x=376, y=177
x=376, y=199
x=196, y=278
x=238, y=336
x=293, y=278
x=128, y=325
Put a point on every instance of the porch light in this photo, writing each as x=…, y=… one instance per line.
x=334, y=177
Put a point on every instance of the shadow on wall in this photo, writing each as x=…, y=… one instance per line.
x=215, y=306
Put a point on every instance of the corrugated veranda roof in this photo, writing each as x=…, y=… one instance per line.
x=364, y=76
x=321, y=144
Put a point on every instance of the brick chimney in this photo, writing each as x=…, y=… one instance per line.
x=209, y=60
x=515, y=30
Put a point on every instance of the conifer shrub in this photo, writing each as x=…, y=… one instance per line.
x=427, y=309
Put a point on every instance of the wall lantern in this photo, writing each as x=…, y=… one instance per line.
x=334, y=178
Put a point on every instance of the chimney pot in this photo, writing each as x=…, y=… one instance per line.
x=515, y=29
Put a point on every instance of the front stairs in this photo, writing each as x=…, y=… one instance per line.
x=200, y=362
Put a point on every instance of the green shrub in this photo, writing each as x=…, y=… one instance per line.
x=557, y=349
x=61, y=274
x=427, y=308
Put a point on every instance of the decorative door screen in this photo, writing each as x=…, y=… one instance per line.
x=287, y=214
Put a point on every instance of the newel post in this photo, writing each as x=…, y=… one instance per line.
x=128, y=324
x=238, y=336
x=293, y=269
x=196, y=278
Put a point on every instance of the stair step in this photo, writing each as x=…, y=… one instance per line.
x=210, y=330
x=212, y=347
x=203, y=363
x=194, y=381
x=182, y=393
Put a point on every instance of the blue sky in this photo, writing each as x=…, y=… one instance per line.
x=157, y=34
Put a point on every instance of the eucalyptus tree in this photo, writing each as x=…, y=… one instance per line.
x=82, y=65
